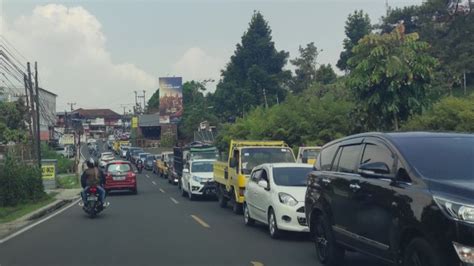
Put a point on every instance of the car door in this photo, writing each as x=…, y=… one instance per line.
x=261, y=196
x=377, y=199
x=345, y=185
x=250, y=192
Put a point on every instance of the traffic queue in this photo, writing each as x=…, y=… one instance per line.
x=404, y=198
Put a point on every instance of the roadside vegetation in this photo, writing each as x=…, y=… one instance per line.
x=68, y=182
x=11, y=213
x=64, y=166
x=397, y=76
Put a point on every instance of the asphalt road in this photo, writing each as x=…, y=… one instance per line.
x=158, y=227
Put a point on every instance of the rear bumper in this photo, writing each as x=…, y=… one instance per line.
x=120, y=185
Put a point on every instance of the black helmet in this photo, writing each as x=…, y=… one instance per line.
x=90, y=163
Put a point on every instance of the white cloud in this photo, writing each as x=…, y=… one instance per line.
x=73, y=61
x=196, y=64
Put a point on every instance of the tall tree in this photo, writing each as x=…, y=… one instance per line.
x=325, y=74
x=390, y=77
x=197, y=108
x=305, y=68
x=154, y=102
x=254, y=75
x=357, y=26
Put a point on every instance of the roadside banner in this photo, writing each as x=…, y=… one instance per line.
x=134, y=122
x=67, y=139
x=171, y=99
x=48, y=173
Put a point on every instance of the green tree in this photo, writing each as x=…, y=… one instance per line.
x=13, y=117
x=357, y=26
x=325, y=74
x=305, y=72
x=154, y=102
x=390, y=77
x=197, y=108
x=449, y=114
x=254, y=75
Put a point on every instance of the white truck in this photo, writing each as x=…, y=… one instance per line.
x=198, y=179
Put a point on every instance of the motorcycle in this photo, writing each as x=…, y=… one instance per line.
x=140, y=167
x=92, y=206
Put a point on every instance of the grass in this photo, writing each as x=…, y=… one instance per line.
x=8, y=214
x=68, y=182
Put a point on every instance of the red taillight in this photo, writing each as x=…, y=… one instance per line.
x=108, y=176
x=131, y=175
x=93, y=190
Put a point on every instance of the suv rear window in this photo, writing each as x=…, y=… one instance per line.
x=326, y=157
x=349, y=158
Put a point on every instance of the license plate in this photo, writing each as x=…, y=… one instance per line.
x=211, y=191
x=92, y=198
x=118, y=178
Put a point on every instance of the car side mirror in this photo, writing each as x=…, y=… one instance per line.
x=185, y=170
x=233, y=163
x=263, y=184
x=375, y=169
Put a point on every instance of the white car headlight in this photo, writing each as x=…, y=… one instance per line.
x=197, y=178
x=287, y=199
x=456, y=210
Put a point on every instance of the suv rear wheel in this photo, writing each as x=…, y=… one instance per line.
x=420, y=253
x=328, y=251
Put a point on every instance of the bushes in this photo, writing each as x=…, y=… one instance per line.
x=64, y=166
x=19, y=183
x=449, y=114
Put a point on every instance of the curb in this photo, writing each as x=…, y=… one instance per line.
x=46, y=210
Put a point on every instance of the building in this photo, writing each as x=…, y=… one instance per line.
x=97, y=122
x=47, y=102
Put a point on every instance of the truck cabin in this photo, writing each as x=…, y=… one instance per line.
x=245, y=159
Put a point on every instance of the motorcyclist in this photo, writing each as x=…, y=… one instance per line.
x=92, y=176
x=139, y=164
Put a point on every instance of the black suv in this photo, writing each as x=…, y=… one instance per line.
x=405, y=198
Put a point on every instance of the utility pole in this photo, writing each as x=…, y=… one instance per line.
x=25, y=80
x=265, y=97
x=465, y=83
x=72, y=106
x=32, y=104
x=144, y=105
x=38, y=142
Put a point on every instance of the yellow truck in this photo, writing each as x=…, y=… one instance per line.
x=308, y=154
x=231, y=176
x=118, y=144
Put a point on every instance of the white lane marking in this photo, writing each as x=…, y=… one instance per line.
x=174, y=200
x=200, y=221
x=38, y=222
x=256, y=263
x=153, y=182
x=147, y=176
x=162, y=191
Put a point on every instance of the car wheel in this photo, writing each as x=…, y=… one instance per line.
x=191, y=197
x=236, y=207
x=272, y=225
x=247, y=219
x=420, y=252
x=221, y=198
x=328, y=251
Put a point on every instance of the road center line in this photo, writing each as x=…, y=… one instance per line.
x=174, y=200
x=38, y=222
x=199, y=221
x=162, y=191
x=147, y=176
x=153, y=182
x=256, y=263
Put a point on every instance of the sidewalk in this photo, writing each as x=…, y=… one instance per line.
x=63, y=197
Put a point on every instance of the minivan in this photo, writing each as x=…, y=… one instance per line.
x=405, y=198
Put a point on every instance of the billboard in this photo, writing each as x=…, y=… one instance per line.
x=171, y=99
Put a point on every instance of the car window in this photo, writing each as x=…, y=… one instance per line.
x=349, y=158
x=375, y=153
x=264, y=175
x=123, y=167
x=326, y=157
x=256, y=175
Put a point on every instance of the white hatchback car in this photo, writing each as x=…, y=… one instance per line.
x=275, y=196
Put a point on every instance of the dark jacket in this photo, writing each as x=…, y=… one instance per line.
x=88, y=172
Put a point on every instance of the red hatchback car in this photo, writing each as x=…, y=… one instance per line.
x=119, y=175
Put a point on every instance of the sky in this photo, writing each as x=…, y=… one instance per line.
x=97, y=53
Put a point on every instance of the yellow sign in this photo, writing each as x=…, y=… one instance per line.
x=134, y=122
x=48, y=171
